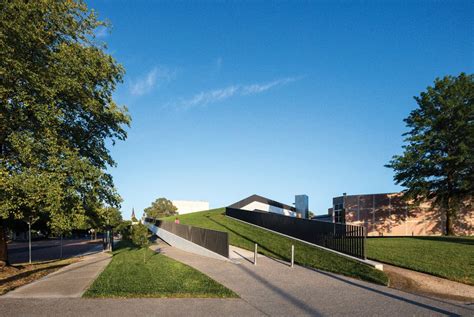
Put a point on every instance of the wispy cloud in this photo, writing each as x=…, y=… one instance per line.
x=212, y=96
x=150, y=80
x=258, y=88
x=206, y=97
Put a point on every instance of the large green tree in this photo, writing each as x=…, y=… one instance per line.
x=56, y=114
x=161, y=207
x=438, y=160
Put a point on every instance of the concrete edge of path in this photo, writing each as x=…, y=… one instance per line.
x=71, y=281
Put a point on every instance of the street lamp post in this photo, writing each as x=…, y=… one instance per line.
x=29, y=239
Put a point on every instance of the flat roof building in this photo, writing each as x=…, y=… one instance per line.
x=389, y=214
x=190, y=206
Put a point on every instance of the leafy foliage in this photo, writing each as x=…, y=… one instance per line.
x=438, y=159
x=140, y=235
x=56, y=113
x=125, y=229
x=161, y=207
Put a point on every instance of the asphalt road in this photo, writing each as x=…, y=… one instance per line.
x=45, y=250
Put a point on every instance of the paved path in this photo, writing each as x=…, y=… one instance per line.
x=270, y=288
x=273, y=288
x=70, y=281
x=114, y=307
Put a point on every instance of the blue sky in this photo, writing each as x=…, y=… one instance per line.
x=232, y=98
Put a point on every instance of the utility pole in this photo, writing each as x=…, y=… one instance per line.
x=61, y=242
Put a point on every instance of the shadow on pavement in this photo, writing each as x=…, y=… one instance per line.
x=287, y=296
x=406, y=300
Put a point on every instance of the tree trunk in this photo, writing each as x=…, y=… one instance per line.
x=3, y=245
x=449, y=218
x=449, y=206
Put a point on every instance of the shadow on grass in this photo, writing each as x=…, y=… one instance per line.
x=31, y=272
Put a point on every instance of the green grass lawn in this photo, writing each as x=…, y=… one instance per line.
x=448, y=257
x=128, y=276
x=245, y=236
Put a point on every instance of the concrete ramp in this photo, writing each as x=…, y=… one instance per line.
x=183, y=244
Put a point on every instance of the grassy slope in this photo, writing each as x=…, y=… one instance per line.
x=448, y=257
x=244, y=236
x=128, y=276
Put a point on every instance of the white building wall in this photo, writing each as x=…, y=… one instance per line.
x=265, y=207
x=189, y=206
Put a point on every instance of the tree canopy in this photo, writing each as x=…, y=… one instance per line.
x=438, y=160
x=56, y=113
x=161, y=207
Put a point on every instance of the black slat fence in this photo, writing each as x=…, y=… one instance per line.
x=348, y=239
x=216, y=241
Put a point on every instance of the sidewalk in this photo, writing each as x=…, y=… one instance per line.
x=273, y=288
x=69, y=282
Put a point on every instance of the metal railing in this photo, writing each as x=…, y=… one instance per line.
x=216, y=241
x=348, y=239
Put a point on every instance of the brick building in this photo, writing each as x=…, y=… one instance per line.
x=389, y=214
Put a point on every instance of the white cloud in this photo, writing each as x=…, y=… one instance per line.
x=212, y=96
x=153, y=78
x=258, y=88
x=204, y=98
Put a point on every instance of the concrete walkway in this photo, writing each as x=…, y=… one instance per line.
x=130, y=307
x=273, y=288
x=68, y=282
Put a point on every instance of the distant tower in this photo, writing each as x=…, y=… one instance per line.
x=301, y=205
x=134, y=218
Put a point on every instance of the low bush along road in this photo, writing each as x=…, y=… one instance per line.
x=245, y=236
x=128, y=275
x=448, y=257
